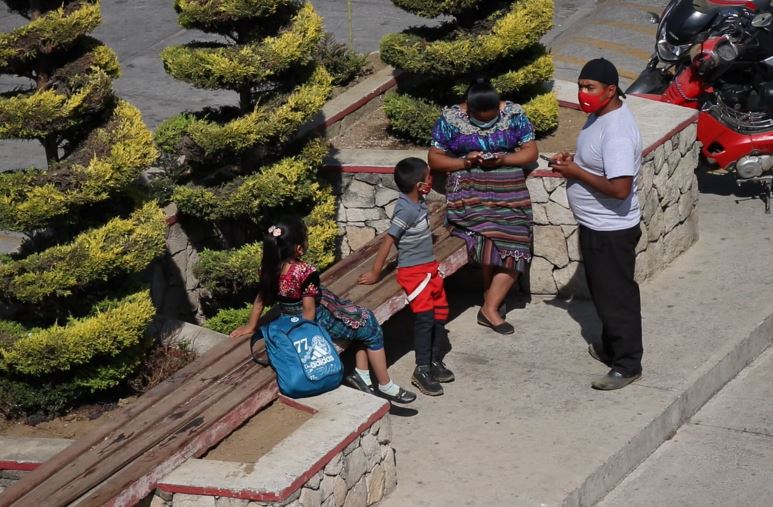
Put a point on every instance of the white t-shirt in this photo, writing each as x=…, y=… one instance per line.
x=610, y=146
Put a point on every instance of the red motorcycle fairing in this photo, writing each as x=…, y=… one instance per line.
x=725, y=146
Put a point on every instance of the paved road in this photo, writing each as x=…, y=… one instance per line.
x=723, y=457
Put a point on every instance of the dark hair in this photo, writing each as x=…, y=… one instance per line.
x=408, y=172
x=277, y=248
x=481, y=96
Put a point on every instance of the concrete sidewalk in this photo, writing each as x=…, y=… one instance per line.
x=722, y=457
x=521, y=425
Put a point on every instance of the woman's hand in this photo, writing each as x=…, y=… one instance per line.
x=242, y=331
x=493, y=162
x=475, y=158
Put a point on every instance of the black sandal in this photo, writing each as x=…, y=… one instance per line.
x=503, y=328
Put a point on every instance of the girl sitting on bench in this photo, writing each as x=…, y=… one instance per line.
x=294, y=285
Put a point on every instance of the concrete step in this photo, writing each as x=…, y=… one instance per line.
x=521, y=425
x=722, y=457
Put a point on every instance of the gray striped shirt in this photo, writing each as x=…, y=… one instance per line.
x=412, y=233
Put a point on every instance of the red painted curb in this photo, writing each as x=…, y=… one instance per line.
x=23, y=466
x=670, y=134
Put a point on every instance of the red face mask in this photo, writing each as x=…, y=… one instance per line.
x=590, y=103
x=426, y=186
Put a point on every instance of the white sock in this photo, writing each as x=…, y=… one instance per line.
x=391, y=388
x=364, y=375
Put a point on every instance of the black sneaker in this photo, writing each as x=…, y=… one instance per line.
x=422, y=378
x=440, y=373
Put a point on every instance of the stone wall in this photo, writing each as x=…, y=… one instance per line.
x=667, y=191
x=358, y=476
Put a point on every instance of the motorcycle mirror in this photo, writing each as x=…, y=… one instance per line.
x=653, y=17
x=762, y=20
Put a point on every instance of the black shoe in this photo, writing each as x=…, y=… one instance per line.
x=502, y=310
x=354, y=381
x=503, y=328
x=595, y=355
x=614, y=380
x=422, y=378
x=402, y=396
x=440, y=373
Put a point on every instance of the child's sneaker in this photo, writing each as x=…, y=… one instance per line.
x=422, y=378
x=440, y=373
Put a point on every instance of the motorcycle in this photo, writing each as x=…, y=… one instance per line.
x=717, y=56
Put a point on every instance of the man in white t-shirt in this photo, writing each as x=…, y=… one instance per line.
x=601, y=188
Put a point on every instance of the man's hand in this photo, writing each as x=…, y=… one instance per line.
x=563, y=163
x=368, y=278
x=242, y=331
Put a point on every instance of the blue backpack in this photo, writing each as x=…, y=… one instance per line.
x=303, y=356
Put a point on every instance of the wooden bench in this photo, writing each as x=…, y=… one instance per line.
x=121, y=462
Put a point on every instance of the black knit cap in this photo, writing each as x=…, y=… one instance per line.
x=603, y=71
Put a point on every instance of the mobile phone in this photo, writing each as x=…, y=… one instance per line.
x=545, y=158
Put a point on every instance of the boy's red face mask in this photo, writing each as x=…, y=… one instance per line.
x=425, y=186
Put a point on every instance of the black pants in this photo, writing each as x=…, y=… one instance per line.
x=429, y=337
x=610, y=262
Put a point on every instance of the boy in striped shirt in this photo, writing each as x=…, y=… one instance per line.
x=417, y=273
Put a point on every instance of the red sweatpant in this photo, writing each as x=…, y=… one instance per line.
x=433, y=297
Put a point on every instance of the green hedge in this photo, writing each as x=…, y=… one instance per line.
x=120, y=246
x=214, y=66
x=109, y=159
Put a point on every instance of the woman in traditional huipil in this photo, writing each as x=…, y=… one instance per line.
x=482, y=144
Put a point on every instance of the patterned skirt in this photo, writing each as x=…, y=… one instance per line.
x=343, y=319
x=490, y=210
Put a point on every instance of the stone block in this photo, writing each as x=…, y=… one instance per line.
x=359, y=194
x=371, y=178
x=687, y=138
x=649, y=206
x=390, y=472
x=643, y=240
x=646, y=177
x=385, y=432
x=341, y=213
x=680, y=239
x=685, y=207
x=183, y=500
x=326, y=486
x=660, y=159
x=339, y=491
x=660, y=182
x=685, y=173
x=363, y=214
x=558, y=196
x=550, y=243
x=388, y=181
x=335, y=465
x=231, y=502
x=570, y=280
x=355, y=466
x=314, y=482
x=668, y=146
x=374, y=483
x=656, y=227
x=359, y=236
x=373, y=430
x=329, y=502
x=671, y=193
x=558, y=215
x=537, y=192
x=385, y=195
x=573, y=246
x=670, y=219
x=645, y=262
x=673, y=162
x=539, y=214
x=553, y=183
x=379, y=225
x=541, y=279
x=292, y=500
x=389, y=209
x=310, y=497
x=157, y=501
x=191, y=282
x=358, y=495
x=372, y=450
x=176, y=239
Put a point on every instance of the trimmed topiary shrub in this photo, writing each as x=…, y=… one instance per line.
x=498, y=39
x=242, y=165
x=74, y=315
